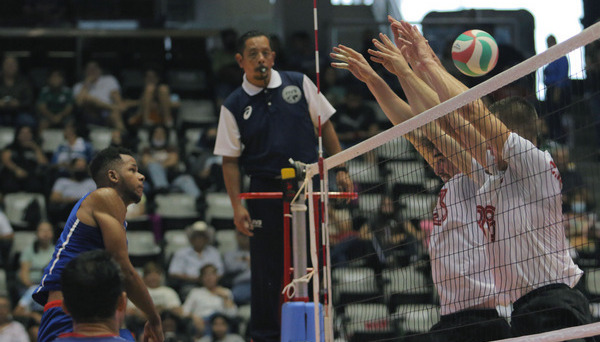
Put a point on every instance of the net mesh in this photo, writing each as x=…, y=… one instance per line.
x=398, y=266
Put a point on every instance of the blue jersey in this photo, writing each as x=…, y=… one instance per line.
x=75, y=239
x=274, y=126
x=73, y=337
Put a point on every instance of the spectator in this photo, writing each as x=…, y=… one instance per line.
x=6, y=239
x=55, y=103
x=580, y=225
x=74, y=146
x=28, y=310
x=395, y=240
x=162, y=164
x=203, y=302
x=332, y=87
x=302, y=56
x=16, y=95
x=558, y=93
x=184, y=270
x=571, y=178
x=24, y=163
x=205, y=166
x=66, y=191
x=10, y=331
x=592, y=87
x=220, y=330
x=355, y=120
x=164, y=297
x=36, y=256
x=343, y=237
x=176, y=328
x=225, y=68
x=154, y=104
x=99, y=99
x=237, y=269
x=124, y=139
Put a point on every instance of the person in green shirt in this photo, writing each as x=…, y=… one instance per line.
x=55, y=103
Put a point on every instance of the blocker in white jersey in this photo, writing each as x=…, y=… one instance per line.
x=520, y=211
x=459, y=264
x=460, y=267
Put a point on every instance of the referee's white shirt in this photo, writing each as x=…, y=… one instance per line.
x=528, y=248
x=459, y=262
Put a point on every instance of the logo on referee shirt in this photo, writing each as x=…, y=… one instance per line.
x=291, y=94
x=247, y=112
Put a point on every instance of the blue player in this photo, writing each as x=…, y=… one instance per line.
x=98, y=222
x=98, y=311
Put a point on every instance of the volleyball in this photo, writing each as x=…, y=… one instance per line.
x=475, y=53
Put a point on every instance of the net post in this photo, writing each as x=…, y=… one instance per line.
x=299, y=249
x=314, y=258
x=327, y=304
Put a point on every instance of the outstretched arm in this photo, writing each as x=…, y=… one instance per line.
x=393, y=106
x=421, y=97
x=422, y=58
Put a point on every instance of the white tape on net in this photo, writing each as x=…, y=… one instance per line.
x=292, y=286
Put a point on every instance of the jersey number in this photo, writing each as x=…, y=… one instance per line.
x=486, y=221
x=441, y=215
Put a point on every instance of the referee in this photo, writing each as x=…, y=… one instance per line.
x=268, y=120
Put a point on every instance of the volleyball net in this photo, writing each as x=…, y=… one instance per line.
x=515, y=214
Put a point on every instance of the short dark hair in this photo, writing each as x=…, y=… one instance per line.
x=92, y=284
x=518, y=115
x=248, y=35
x=204, y=268
x=152, y=267
x=104, y=160
x=216, y=315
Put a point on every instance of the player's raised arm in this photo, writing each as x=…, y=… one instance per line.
x=421, y=57
x=421, y=97
x=393, y=106
x=109, y=214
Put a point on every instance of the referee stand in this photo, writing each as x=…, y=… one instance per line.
x=298, y=321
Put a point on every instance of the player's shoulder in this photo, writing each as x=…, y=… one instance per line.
x=105, y=199
x=519, y=145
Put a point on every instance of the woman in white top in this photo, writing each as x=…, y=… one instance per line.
x=211, y=298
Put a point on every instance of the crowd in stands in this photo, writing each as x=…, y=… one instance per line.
x=200, y=289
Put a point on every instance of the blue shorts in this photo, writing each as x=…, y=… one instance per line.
x=54, y=322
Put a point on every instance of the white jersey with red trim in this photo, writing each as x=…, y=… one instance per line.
x=520, y=211
x=459, y=262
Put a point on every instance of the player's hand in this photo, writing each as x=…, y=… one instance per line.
x=353, y=62
x=389, y=55
x=414, y=46
x=242, y=220
x=153, y=332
